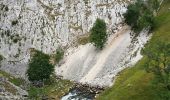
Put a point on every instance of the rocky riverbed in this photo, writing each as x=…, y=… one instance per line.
x=83, y=92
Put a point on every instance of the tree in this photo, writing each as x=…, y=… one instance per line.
x=139, y=16
x=132, y=14
x=98, y=34
x=159, y=61
x=146, y=20
x=39, y=67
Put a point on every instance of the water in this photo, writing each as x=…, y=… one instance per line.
x=77, y=94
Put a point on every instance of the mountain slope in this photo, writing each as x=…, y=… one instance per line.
x=135, y=83
x=48, y=24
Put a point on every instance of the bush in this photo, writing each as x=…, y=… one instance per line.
x=14, y=22
x=59, y=55
x=39, y=67
x=34, y=93
x=159, y=61
x=146, y=20
x=132, y=14
x=98, y=34
x=15, y=40
x=153, y=4
x=1, y=58
x=139, y=16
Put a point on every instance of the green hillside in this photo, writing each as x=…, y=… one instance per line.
x=137, y=83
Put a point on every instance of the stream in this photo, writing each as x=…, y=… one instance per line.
x=82, y=93
x=78, y=95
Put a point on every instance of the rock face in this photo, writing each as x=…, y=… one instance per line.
x=9, y=91
x=47, y=24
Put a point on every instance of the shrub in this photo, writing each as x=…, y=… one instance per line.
x=132, y=14
x=153, y=4
x=14, y=22
x=146, y=20
x=139, y=16
x=59, y=55
x=39, y=67
x=159, y=61
x=98, y=34
x=1, y=58
x=15, y=40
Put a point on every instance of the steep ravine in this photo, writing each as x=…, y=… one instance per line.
x=47, y=24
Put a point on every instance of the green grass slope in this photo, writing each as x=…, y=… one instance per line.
x=135, y=83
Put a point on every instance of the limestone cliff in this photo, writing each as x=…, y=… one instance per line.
x=47, y=24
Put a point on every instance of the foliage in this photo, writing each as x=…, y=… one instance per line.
x=146, y=20
x=59, y=55
x=33, y=92
x=153, y=4
x=139, y=16
x=98, y=34
x=14, y=22
x=1, y=58
x=55, y=90
x=137, y=83
x=39, y=67
x=14, y=80
x=159, y=61
x=130, y=19
x=15, y=40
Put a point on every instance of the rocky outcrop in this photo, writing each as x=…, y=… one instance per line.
x=47, y=24
x=9, y=91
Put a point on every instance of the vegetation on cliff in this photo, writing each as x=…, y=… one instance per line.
x=59, y=55
x=158, y=55
x=149, y=78
x=40, y=68
x=55, y=89
x=140, y=14
x=98, y=34
x=45, y=84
